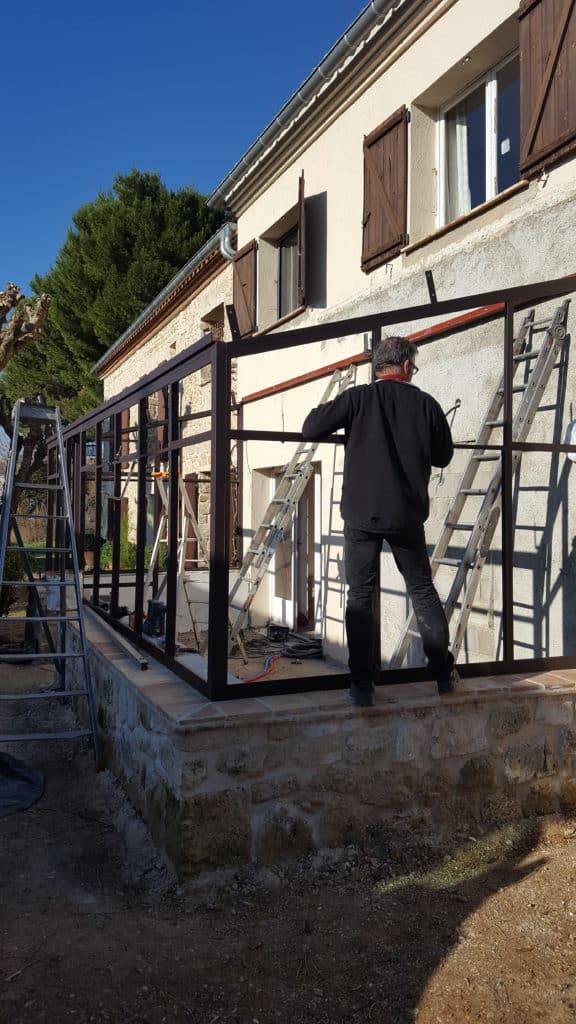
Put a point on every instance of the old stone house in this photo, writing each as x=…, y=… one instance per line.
x=434, y=136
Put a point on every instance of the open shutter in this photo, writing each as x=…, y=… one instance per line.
x=385, y=190
x=547, y=81
x=301, y=243
x=244, y=287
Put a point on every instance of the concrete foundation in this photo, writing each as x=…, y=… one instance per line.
x=223, y=784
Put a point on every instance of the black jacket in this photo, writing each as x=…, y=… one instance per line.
x=394, y=434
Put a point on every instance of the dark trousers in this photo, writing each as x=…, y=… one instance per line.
x=361, y=554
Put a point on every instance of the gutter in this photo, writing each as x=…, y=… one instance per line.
x=375, y=14
x=219, y=240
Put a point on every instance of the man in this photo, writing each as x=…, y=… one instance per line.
x=394, y=434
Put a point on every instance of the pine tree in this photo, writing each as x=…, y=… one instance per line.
x=122, y=249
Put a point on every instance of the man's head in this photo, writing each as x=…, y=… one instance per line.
x=395, y=355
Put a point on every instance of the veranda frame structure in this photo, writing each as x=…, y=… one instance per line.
x=475, y=309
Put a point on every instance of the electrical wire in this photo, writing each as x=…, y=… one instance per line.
x=268, y=667
x=295, y=646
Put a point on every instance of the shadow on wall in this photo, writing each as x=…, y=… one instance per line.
x=316, y=250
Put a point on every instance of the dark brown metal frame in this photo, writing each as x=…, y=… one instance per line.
x=206, y=352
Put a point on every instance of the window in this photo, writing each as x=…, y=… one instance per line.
x=480, y=142
x=281, y=265
x=213, y=323
x=288, y=273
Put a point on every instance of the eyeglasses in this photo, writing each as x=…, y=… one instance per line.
x=414, y=367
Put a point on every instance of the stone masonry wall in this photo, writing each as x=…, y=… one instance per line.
x=227, y=783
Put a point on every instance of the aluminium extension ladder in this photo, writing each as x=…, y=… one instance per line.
x=468, y=568
x=279, y=514
x=64, y=556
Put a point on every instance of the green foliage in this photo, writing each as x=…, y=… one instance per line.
x=128, y=553
x=128, y=556
x=13, y=570
x=122, y=250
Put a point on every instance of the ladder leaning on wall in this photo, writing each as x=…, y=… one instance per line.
x=280, y=512
x=468, y=568
x=61, y=551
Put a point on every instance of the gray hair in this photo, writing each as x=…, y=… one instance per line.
x=393, y=351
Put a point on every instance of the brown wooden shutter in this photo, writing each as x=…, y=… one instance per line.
x=547, y=81
x=162, y=417
x=301, y=243
x=244, y=287
x=385, y=190
x=191, y=554
x=125, y=427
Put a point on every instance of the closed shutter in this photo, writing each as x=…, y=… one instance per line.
x=301, y=244
x=191, y=555
x=385, y=190
x=244, y=287
x=125, y=433
x=162, y=428
x=547, y=81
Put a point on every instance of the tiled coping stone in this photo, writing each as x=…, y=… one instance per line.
x=225, y=783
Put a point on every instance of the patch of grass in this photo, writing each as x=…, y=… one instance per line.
x=469, y=861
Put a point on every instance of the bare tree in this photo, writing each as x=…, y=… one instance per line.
x=21, y=322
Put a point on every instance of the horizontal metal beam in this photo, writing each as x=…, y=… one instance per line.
x=520, y=297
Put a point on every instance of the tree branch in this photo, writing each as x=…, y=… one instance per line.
x=24, y=326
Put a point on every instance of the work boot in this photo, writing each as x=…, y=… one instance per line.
x=362, y=695
x=450, y=683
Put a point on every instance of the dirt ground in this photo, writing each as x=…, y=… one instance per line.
x=94, y=927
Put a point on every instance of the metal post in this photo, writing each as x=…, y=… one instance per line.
x=507, y=483
x=173, y=520
x=116, y=515
x=219, y=525
x=141, y=514
x=98, y=456
x=377, y=600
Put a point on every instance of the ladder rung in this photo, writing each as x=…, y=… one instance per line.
x=34, y=515
x=527, y=355
x=39, y=487
x=44, y=656
x=42, y=618
x=486, y=458
x=40, y=583
x=23, y=737
x=515, y=390
x=495, y=423
x=473, y=491
x=38, y=551
x=459, y=526
x=279, y=501
x=44, y=695
x=447, y=561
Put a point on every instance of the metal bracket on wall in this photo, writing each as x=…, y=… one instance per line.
x=233, y=321
x=431, y=286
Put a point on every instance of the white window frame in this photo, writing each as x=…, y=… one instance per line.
x=491, y=103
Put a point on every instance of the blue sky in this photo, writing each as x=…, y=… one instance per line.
x=181, y=88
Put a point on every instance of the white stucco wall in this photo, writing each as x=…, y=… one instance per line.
x=528, y=237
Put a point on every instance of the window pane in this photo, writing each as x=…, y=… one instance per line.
x=508, y=127
x=288, y=255
x=466, y=155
